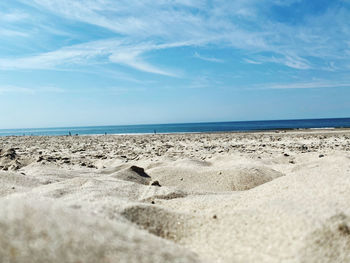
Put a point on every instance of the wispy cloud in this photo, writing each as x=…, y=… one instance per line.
x=12, y=33
x=204, y=81
x=290, y=61
x=49, y=89
x=133, y=59
x=172, y=50
x=210, y=59
x=96, y=52
x=305, y=85
x=247, y=26
x=8, y=20
x=250, y=61
x=30, y=91
x=14, y=89
x=11, y=17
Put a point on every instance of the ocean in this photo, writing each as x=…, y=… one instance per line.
x=185, y=127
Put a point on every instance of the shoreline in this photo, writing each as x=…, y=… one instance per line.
x=182, y=128
x=282, y=130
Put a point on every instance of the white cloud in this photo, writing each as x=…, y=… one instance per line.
x=12, y=17
x=8, y=19
x=31, y=91
x=250, y=61
x=305, y=85
x=49, y=89
x=210, y=59
x=12, y=33
x=239, y=24
x=133, y=60
x=292, y=62
x=114, y=51
x=14, y=89
x=204, y=81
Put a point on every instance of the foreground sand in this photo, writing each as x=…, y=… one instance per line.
x=232, y=197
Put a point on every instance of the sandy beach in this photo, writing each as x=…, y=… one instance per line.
x=278, y=196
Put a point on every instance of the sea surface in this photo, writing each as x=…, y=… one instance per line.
x=185, y=127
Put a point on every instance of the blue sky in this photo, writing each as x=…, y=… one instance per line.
x=100, y=62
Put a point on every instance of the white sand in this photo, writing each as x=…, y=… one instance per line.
x=231, y=197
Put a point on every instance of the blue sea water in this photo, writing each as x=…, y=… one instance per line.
x=186, y=127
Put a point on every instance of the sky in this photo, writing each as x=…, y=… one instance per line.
x=111, y=62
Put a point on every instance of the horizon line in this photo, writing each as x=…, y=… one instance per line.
x=171, y=123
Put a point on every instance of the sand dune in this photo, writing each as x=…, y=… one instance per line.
x=203, y=176
x=43, y=231
x=254, y=197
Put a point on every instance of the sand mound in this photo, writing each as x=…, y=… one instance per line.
x=11, y=182
x=157, y=221
x=248, y=178
x=302, y=217
x=328, y=243
x=196, y=176
x=133, y=174
x=102, y=195
x=191, y=163
x=222, y=196
x=39, y=231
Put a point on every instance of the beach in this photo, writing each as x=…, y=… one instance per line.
x=273, y=196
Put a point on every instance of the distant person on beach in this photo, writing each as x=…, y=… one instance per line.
x=155, y=132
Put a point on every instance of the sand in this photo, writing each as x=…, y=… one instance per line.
x=220, y=197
